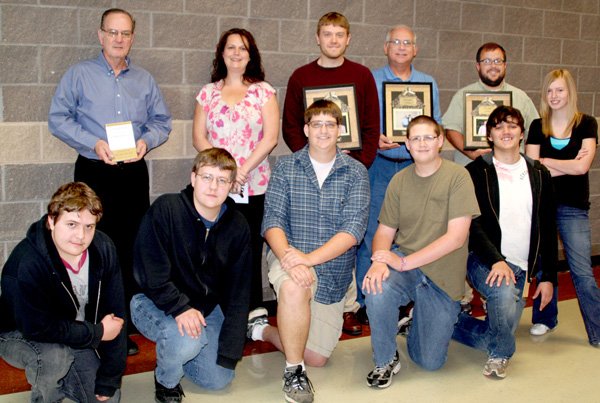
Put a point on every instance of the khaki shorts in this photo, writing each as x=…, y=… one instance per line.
x=325, y=320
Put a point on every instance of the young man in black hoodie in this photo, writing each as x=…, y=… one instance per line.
x=62, y=304
x=192, y=261
x=512, y=241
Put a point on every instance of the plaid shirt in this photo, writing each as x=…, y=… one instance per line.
x=310, y=215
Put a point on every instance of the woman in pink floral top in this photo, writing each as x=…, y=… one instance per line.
x=238, y=111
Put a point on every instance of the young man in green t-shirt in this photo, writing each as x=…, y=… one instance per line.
x=419, y=254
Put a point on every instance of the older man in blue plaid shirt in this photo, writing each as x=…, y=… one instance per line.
x=316, y=210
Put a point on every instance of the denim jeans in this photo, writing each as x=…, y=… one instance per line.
x=496, y=333
x=178, y=355
x=434, y=316
x=54, y=371
x=574, y=229
x=380, y=175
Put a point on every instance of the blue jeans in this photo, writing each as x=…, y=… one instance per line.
x=54, y=371
x=574, y=229
x=178, y=355
x=434, y=316
x=495, y=334
x=380, y=175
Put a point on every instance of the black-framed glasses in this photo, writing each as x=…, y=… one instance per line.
x=113, y=33
x=496, y=62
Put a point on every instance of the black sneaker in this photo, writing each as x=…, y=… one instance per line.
x=163, y=394
x=404, y=323
x=381, y=377
x=297, y=388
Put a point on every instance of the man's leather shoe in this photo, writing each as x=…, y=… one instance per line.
x=351, y=325
x=361, y=316
x=132, y=347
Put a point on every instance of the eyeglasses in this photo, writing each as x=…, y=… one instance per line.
x=428, y=139
x=208, y=179
x=113, y=33
x=496, y=62
x=398, y=42
x=317, y=124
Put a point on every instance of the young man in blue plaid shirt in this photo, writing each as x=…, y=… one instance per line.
x=316, y=211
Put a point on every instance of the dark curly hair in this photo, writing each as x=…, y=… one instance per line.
x=254, y=70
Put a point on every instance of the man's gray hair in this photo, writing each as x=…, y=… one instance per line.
x=388, y=35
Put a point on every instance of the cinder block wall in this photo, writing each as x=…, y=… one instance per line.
x=175, y=41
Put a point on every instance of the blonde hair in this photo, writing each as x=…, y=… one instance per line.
x=546, y=111
x=335, y=19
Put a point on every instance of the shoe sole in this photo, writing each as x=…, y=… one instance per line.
x=494, y=375
x=389, y=382
x=550, y=330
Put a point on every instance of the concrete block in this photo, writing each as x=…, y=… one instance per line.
x=437, y=14
x=15, y=219
x=467, y=72
x=166, y=66
x=197, y=66
x=220, y=7
x=189, y=150
x=104, y=4
x=389, y=12
x=352, y=10
x=20, y=143
x=590, y=27
x=18, y=64
x=541, y=50
x=366, y=39
x=288, y=9
x=26, y=103
x=169, y=176
x=181, y=100
x=35, y=181
x=299, y=37
x=523, y=21
x=55, y=61
x=481, y=17
x=152, y=5
x=42, y=25
x=445, y=98
x=588, y=80
x=585, y=102
x=280, y=67
x=266, y=33
x=53, y=149
x=579, y=52
x=427, y=43
x=543, y=4
x=524, y=76
x=184, y=31
x=597, y=105
x=582, y=6
x=375, y=62
x=561, y=25
x=459, y=45
x=173, y=147
x=512, y=44
x=445, y=73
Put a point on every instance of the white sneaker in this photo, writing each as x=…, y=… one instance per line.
x=256, y=318
x=539, y=329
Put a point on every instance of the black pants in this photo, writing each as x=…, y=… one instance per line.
x=124, y=192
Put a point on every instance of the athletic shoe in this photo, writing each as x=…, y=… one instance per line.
x=495, y=367
x=381, y=377
x=404, y=323
x=297, y=388
x=163, y=394
x=257, y=317
x=539, y=329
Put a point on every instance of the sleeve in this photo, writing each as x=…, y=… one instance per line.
x=535, y=135
x=62, y=121
x=203, y=98
x=276, y=199
x=389, y=214
x=589, y=128
x=264, y=92
x=236, y=303
x=158, y=125
x=548, y=229
x=292, y=123
x=113, y=353
x=369, y=121
x=453, y=119
x=356, y=212
x=462, y=201
x=152, y=266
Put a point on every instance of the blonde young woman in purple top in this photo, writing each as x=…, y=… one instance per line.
x=238, y=111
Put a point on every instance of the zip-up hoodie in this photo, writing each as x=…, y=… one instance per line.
x=485, y=235
x=38, y=300
x=180, y=265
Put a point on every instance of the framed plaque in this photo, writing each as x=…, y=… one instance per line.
x=343, y=96
x=478, y=107
x=401, y=103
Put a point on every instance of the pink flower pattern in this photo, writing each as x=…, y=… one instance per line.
x=238, y=128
